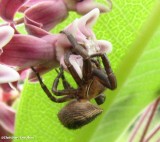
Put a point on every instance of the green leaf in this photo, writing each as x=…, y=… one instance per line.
x=132, y=27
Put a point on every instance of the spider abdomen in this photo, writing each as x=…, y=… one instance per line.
x=78, y=113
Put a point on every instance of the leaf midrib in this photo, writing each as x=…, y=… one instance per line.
x=124, y=70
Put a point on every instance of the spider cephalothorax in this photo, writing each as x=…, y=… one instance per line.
x=80, y=111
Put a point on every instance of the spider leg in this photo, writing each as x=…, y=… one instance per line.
x=108, y=80
x=87, y=68
x=101, y=98
x=65, y=83
x=102, y=77
x=48, y=93
x=68, y=91
x=78, y=49
x=96, y=63
x=109, y=72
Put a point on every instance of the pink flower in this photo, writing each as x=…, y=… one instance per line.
x=7, y=74
x=46, y=14
x=46, y=51
x=84, y=6
x=7, y=113
x=81, y=6
x=24, y=51
x=41, y=49
x=6, y=34
x=8, y=8
x=7, y=95
x=81, y=29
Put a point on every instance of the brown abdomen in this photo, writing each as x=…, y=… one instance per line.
x=78, y=113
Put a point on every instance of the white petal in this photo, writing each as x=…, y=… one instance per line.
x=6, y=34
x=81, y=28
x=77, y=63
x=90, y=18
x=104, y=46
x=8, y=74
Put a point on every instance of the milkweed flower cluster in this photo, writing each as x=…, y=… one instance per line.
x=40, y=48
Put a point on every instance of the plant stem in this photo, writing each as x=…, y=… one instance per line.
x=16, y=22
x=158, y=140
x=19, y=21
x=139, y=123
x=150, y=119
x=154, y=131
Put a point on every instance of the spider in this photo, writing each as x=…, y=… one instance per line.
x=80, y=111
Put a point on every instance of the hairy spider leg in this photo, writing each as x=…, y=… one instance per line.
x=48, y=93
x=97, y=63
x=110, y=80
x=65, y=83
x=79, y=50
x=99, y=99
x=87, y=67
x=68, y=91
x=109, y=72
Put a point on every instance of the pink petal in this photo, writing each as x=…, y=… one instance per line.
x=9, y=95
x=81, y=27
x=62, y=45
x=7, y=117
x=41, y=70
x=25, y=51
x=88, y=5
x=81, y=30
x=23, y=74
x=46, y=14
x=6, y=34
x=9, y=7
x=86, y=22
x=30, y=3
x=5, y=87
x=36, y=31
x=8, y=74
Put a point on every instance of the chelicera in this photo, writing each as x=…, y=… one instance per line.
x=80, y=111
